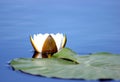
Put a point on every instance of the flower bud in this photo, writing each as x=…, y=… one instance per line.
x=47, y=44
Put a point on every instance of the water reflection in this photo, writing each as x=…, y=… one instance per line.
x=41, y=55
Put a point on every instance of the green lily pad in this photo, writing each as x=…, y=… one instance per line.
x=90, y=67
x=67, y=54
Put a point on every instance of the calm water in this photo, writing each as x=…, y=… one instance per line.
x=90, y=26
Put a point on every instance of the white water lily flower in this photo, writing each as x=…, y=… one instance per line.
x=48, y=43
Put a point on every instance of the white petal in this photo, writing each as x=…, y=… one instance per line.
x=39, y=40
x=58, y=39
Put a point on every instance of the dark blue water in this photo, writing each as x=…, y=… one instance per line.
x=90, y=26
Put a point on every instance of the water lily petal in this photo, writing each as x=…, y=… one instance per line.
x=64, y=41
x=49, y=46
x=58, y=39
x=38, y=41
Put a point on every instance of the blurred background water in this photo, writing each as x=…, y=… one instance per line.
x=90, y=26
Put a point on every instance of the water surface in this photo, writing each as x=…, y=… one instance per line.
x=90, y=26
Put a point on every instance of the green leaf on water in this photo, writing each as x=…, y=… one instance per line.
x=95, y=66
x=67, y=54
